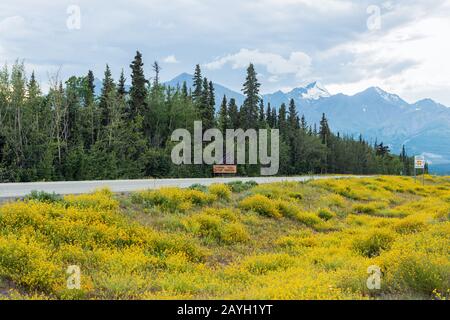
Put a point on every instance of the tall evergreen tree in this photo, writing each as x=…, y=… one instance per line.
x=223, y=119
x=184, y=90
x=269, y=116
x=156, y=69
x=303, y=124
x=138, y=91
x=262, y=115
x=33, y=90
x=90, y=130
x=197, y=84
x=204, y=106
x=292, y=117
x=107, y=89
x=90, y=92
x=282, y=122
x=274, y=118
x=233, y=113
x=121, y=90
x=249, y=110
x=324, y=130
x=211, y=100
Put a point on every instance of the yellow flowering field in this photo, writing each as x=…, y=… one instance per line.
x=371, y=238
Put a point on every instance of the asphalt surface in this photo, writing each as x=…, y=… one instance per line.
x=18, y=190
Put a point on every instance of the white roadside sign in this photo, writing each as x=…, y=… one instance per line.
x=419, y=162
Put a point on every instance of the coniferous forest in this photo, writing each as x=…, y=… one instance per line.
x=70, y=133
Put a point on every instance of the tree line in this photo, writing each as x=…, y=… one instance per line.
x=70, y=133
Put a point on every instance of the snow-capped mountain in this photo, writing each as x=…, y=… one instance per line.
x=313, y=91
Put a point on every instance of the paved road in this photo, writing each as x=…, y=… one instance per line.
x=17, y=190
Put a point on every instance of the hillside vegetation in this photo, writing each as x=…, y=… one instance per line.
x=313, y=240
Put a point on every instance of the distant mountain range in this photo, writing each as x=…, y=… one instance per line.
x=423, y=127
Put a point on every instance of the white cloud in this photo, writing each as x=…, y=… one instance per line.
x=12, y=26
x=410, y=60
x=170, y=59
x=298, y=63
x=320, y=6
x=273, y=79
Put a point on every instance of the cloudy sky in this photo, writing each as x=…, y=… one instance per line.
x=401, y=46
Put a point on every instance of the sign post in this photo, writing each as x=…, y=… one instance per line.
x=225, y=169
x=419, y=163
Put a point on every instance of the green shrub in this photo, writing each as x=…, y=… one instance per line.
x=409, y=225
x=239, y=186
x=172, y=199
x=214, y=228
x=261, y=205
x=199, y=187
x=368, y=208
x=43, y=196
x=296, y=195
x=199, y=198
x=250, y=184
x=287, y=209
x=168, y=199
x=263, y=264
x=308, y=218
x=234, y=233
x=325, y=214
x=225, y=213
x=418, y=274
x=222, y=191
x=373, y=244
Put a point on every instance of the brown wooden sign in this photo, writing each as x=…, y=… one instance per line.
x=225, y=169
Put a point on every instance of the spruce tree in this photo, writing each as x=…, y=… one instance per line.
x=274, y=118
x=403, y=158
x=184, y=91
x=91, y=110
x=197, y=84
x=33, y=88
x=269, y=116
x=303, y=124
x=107, y=90
x=282, y=123
x=138, y=91
x=121, y=90
x=262, y=116
x=205, y=104
x=90, y=90
x=223, y=120
x=211, y=101
x=249, y=111
x=324, y=130
x=233, y=113
x=156, y=69
x=292, y=117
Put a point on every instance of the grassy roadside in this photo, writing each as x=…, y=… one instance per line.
x=290, y=240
